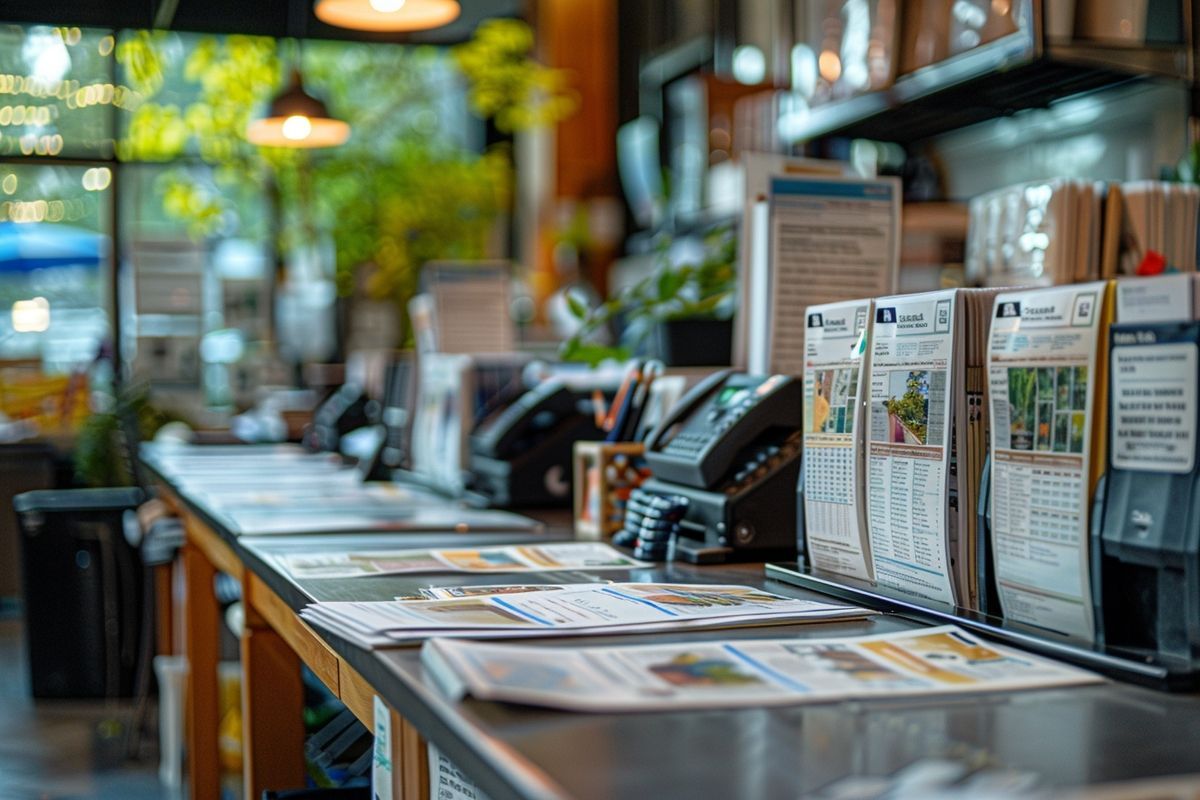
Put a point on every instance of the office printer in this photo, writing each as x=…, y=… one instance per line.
x=521, y=455
x=731, y=451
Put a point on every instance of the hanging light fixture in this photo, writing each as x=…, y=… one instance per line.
x=297, y=119
x=388, y=15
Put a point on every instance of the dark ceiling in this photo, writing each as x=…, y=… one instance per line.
x=259, y=17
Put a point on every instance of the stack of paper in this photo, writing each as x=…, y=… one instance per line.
x=927, y=434
x=1039, y=233
x=589, y=610
x=1047, y=364
x=498, y=559
x=736, y=674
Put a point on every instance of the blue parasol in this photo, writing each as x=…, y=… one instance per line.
x=27, y=246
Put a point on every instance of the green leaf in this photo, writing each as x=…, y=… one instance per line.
x=577, y=307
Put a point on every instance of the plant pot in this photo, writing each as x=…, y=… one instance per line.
x=695, y=342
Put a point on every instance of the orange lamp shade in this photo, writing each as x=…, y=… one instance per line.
x=297, y=119
x=387, y=15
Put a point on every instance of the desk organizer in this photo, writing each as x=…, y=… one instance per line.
x=605, y=474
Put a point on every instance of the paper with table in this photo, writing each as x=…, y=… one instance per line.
x=926, y=429
x=835, y=525
x=1048, y=371
x=499, y=559
x=587, y=610
x=736, y=674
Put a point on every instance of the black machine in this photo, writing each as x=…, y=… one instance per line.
x=521, y=455
x=725, y=461
x=1146, y=541
x=347, y=408
x=395, y=443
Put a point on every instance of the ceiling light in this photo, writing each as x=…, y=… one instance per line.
x=388, y=15
x=297, y=119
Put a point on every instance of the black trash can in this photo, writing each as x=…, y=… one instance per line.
x=83, y=587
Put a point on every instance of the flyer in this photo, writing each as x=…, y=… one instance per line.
x=732, y=674
x=1047, y=377
x=496, y=559
x=583, y=610
x=835, y=525
x=909, y=441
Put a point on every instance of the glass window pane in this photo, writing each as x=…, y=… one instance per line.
x=54, y=263
x=57, y=92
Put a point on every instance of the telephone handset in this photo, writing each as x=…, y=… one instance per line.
x=521, y=456
x=531, y=416
x=707, y=434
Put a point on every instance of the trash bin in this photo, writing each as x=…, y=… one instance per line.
x=83, y=588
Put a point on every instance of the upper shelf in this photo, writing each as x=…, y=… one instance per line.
x=999, y=78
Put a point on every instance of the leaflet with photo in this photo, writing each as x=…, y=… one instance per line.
x=495, y=559
x=835, y=525
x=734, y=674
x=912, y=377
x=1048, y=374
x=588, y=609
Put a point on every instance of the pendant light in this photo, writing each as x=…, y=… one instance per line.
x=387, y=15
x=297, y=119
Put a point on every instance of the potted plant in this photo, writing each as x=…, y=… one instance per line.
x=687, y=307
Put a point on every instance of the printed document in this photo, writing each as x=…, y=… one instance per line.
x=1047, y=448
x=832, y=239
x=835, y=527
x=497, y=559
x=588, y=609
x=735, y=674
x=913, y=352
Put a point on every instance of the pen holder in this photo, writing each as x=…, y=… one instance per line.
x=605, y=474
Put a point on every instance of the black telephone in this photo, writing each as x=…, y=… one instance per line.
x=731, y=449
x=347, y=408
x=521, y=455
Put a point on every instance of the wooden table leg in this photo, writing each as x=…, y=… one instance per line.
x=164, y=609
x=412, y=760
x=203, y=651
x=272, y=710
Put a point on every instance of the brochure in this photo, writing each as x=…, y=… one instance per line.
x=416, y=518
x=835, y=525
x=497, y=559
x=926, y=434
x=734, y=674
x=585, y=610
x=1048, y=401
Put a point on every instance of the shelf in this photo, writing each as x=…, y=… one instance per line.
x=995, y=80
x=1134, y=666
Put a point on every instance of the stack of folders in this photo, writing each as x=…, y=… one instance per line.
x=1064, y=230
x=569, y=610
x=1151, y=219
x=1035, y=234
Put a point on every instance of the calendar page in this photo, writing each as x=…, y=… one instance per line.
x=1042, y=367
x=834, y=521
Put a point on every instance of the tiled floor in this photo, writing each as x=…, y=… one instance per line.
x=58, y=749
